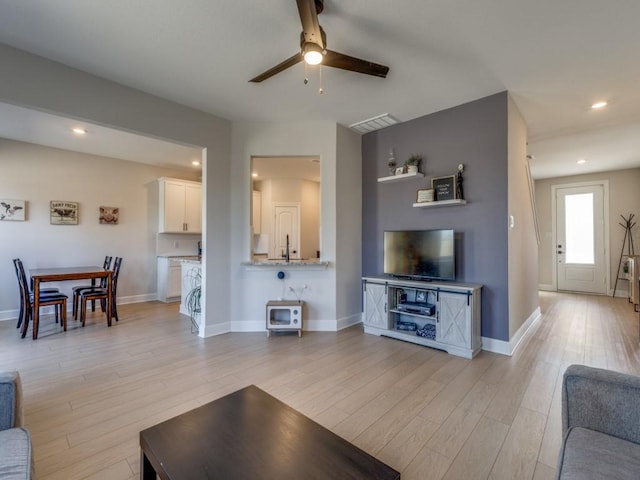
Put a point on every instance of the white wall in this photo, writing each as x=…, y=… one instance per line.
x=310, y=219
x=523, y=251
x=252, y=287
x=348, y=227
x=34, y=82
x=40, y=174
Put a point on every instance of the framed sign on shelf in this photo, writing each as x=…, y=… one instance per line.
x=444, y=187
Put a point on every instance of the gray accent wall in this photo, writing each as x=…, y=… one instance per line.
x=474, y=134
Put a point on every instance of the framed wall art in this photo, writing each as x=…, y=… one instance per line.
x=64, y=213
x=12, y=210
x=109, y=215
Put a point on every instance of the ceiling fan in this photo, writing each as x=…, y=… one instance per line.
x=313, y=48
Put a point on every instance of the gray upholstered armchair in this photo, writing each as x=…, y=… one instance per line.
x=601, y=425
x=16, y=459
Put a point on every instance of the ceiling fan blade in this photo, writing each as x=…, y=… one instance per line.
x=289, y=62
x=353, y=64
x=310, y=26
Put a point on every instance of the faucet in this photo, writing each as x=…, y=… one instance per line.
x=287, y=254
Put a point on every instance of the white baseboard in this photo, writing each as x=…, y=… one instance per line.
x=620, y=293
x=13, y=314
x=546, y=287
x=148, y=297
x=214, y=329
x=309, y=325
x=249, y=326
x=508, y=348
x=349, y=321
x=9, y=315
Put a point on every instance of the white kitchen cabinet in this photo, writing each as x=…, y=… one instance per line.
x=169, y=279
x=180, y=206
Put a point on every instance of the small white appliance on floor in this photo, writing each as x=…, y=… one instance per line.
x=284, y=315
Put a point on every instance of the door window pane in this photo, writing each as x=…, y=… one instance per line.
x=579, y=229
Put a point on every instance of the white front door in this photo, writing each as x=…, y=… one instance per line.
x=287, y=221
x=580, y=242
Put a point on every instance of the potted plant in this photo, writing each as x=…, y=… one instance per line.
x=413, y=163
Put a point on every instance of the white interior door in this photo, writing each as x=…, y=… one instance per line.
x=580, y=242
x=287, y=224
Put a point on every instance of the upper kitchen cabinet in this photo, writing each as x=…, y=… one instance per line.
x=180, y=206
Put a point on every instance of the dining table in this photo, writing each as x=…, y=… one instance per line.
x=63, y=274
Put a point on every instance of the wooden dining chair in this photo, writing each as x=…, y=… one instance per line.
x=57, y=300
x=78, y=290
x=102, y=294
x=43, y=291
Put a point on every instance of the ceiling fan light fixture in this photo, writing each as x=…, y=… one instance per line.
x=312, y=53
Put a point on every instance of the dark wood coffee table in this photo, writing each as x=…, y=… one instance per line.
x=251, y=435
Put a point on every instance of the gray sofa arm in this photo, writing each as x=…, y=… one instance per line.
x=10, y=400
x=601, y=400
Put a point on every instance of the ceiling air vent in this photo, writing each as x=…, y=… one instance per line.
x=375, y=123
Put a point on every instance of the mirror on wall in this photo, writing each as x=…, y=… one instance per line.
x=285, y=208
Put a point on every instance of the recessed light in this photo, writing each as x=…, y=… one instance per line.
x=79, y=131
x=597, y=105
x=254, y=175
x=195, y=163
x=581, y=161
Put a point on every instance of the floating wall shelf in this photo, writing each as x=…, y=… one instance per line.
x=400, y=177
x=441, y=203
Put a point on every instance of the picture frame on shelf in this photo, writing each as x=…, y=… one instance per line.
x=421, y=296
x=425, y=195
x=444, y=187
x=399, y=170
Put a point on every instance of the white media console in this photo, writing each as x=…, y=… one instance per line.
x=441, y=315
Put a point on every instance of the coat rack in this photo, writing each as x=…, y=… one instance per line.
x=628, y=241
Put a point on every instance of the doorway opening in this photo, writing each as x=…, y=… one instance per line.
x=285, y=208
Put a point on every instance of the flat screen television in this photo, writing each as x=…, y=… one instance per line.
x=420, y=254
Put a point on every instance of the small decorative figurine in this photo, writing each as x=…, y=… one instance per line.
x=460, y=193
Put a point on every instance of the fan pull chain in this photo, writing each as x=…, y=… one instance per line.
x=320, y=90
x=306, y=78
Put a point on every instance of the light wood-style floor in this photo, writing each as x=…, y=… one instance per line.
x=89, y=392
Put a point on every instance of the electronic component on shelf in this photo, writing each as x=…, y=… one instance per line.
x=409, y=326
x=417, y=308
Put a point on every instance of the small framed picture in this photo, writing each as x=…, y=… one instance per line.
x=64, y=213
x=12, y=210
x=421, y=296
x=109, y=215
x=399, y=170
x=445, y=187
x=424, y=195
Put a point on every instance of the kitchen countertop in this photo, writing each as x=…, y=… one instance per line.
x=184, y=258
x=283, y=263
